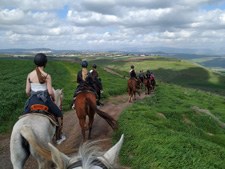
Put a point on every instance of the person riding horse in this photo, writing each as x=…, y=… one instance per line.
x=94, y=74
x=153, y=80
x=39, y=88
x=148, y=75
x=85, y=80
x=133, y=72
x=141, y=76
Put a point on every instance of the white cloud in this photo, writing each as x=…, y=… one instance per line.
x=97, y=24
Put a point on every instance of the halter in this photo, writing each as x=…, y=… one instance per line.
x=95, y=162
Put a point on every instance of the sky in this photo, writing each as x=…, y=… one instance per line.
x=112, y=24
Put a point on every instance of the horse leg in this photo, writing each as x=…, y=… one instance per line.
x=18, y=152
x=91, y=120
x=146, y=90
x=129, y=92
x=131, y=96
x=82, y=125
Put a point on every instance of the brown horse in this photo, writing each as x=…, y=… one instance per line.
x=148, y=86
x=140, y=81
x=86, y=105
x=132, y=89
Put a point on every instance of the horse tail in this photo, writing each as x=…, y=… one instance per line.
x=28, y=134
x=110, y=120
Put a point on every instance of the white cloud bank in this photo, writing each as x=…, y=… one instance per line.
x=112, y=24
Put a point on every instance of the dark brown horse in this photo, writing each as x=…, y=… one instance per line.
x=140, y=81
x=132, y=89
x=86, y=106
x=148, y=86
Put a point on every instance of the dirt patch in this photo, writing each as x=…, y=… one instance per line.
x=161, y=115
x=198, y=111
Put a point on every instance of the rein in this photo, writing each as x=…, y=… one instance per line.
x=95, y=162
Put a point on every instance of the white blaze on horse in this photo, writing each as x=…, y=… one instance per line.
x=42, y=128
x=89, y=156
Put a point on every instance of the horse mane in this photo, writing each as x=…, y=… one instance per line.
x=88, y=153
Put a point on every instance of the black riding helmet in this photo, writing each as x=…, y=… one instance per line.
x=132, y=66
x=84, y=64
x=94, y=66
x=40, y=59
x=148, y=71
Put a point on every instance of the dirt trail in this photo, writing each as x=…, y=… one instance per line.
x=101, y=131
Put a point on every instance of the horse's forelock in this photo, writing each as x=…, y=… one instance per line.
x=88, y=153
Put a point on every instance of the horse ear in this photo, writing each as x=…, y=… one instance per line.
x=60, y=159
x=112, y=154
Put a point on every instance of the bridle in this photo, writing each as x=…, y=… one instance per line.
x=96, y=162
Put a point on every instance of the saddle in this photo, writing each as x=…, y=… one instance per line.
x=41, y=110
x=85, y=90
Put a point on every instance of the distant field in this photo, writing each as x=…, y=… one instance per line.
x=185, y=138
x=64, y=75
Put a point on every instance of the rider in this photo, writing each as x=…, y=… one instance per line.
x=148, y=75
x=153, y=78
x=39, y=88
x=94, y=74
x=141, y=76
x=133, y=72
x=85, y=79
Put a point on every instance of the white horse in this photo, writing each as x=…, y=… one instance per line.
x=20, y=149
x=89, y=156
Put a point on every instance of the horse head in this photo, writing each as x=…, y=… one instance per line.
x=58, y=97
x=88, y=157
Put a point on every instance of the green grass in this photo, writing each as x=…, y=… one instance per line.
x=64, y=75
x=154, y=142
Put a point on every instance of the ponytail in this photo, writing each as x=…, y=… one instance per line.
x=84, y=73
x=41, y=78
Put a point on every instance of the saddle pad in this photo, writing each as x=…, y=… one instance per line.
x=39, y=114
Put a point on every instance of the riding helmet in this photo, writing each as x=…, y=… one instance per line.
x=94, y=66
x=132, y=66
x=84, y=64
x=40, y=59
x=148, y=71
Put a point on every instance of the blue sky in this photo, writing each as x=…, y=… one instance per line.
x=113, y=24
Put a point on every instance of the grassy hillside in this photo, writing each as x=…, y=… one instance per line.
x=13, y=82
x=174, y=71
x=184, y=138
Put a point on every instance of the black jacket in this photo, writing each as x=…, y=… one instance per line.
x=88, y=81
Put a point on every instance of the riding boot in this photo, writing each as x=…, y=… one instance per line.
x=59, y=128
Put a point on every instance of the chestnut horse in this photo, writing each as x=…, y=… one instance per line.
x=148, y=86
x=132, y=89
x=86, y=105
